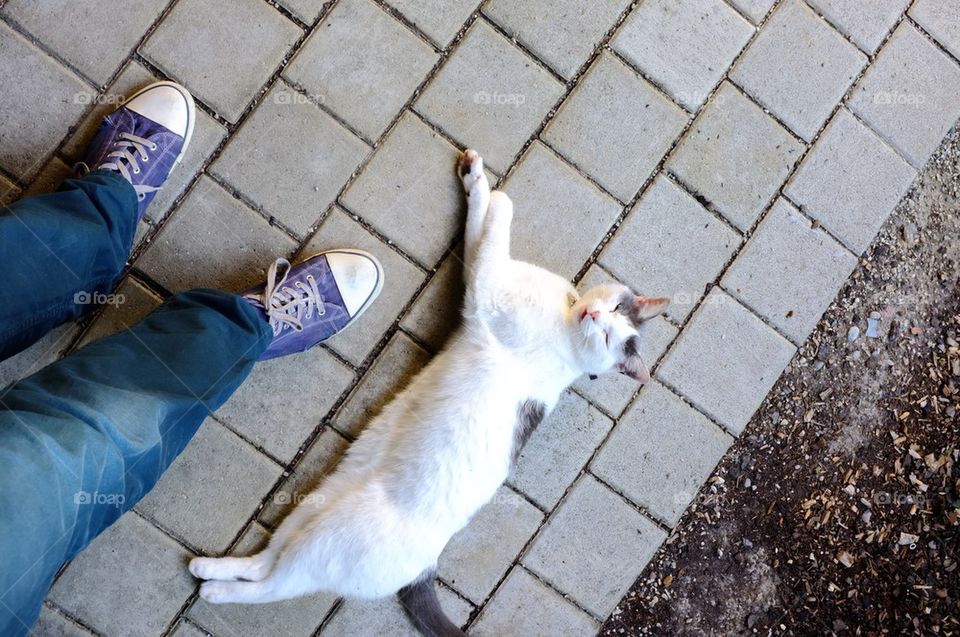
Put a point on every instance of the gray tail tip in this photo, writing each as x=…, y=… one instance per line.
x=420, y=603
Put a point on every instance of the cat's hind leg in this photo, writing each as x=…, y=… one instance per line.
x=477, y=188
x=253, y=568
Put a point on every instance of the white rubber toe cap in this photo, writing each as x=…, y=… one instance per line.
x=167, y=104
x=359, y=278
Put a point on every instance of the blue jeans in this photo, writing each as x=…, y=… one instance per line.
x=84, y=439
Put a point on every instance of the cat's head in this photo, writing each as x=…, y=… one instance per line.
x=606, y=321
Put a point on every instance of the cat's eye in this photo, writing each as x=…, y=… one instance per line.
x=617, y=309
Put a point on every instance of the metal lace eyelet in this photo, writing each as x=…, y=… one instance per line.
x=136, y=172
x=154, y=147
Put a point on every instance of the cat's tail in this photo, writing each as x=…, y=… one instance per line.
x=420, y=603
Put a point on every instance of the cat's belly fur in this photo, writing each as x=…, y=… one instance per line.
x=421, y=469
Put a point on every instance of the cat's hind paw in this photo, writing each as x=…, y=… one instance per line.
x=204, y=567
x=471, y=172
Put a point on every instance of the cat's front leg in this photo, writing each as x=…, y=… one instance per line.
x=477, y=189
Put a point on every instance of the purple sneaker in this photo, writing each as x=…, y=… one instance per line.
x=309, y=302
x=144, y=139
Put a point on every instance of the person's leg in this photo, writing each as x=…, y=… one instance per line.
x=60, y=251
x=84, y=439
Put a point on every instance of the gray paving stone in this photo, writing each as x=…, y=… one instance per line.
x=593, y=546
x=651, y=250
x=268, y=162
x=479, y=555
x=31, y=360
x=660, y=453
x=866, y=22
x=612, y=392
x=409, y=191
x=909, y=94
x=131, y=575
x=941, y=20
x=276, y=414
x=735, y=156
x=401, y=281
x=547, y=195
x=435, y=315
x=396, y=366
x=563, y=34
x=850, y=181
x=213, y=241
x=53, y=624
x=798, y=67
x=208, y=133
x=49, y=178
x=306, y=10
x=523, y=605
x=94, y=38
x=362, y=64
x=685, y=46
x=753, y=9
x=385, y=617
x=34, y=118
x=130, y=303
x=558, y=449
x=297, y=617
x=319, y=460
x=489, y=95
x=614, y=109
x=209, y=48
x=439, y=19
x=789, y=272
x=9, y=191
x=726, y=360
x=211, y=489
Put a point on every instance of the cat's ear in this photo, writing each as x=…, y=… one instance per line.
x=644, y=307
x=632, y=365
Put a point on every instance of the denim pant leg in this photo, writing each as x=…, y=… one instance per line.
x=87, y=437
x=58, y=249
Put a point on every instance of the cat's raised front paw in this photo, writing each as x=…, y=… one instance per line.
x=471, y=172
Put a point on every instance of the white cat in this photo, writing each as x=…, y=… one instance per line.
x=440, y=450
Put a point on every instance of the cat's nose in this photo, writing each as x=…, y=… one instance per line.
x=595, y=315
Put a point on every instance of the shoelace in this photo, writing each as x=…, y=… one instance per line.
x=125, y=160
x=287, y=306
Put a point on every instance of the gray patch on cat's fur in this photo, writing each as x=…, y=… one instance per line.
x=629, y=309
x=530, y=414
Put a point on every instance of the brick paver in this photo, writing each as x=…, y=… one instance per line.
x=362, y=64
x=798, y=67
x=789, y=271
x=683, y=45
x=736, y=155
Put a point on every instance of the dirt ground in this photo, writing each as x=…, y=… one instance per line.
x=837, y=510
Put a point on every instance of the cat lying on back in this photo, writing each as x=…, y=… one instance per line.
x=440, y=450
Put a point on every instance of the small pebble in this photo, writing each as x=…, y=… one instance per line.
x=909, y=232
x=853, y=334
x=873, y=325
